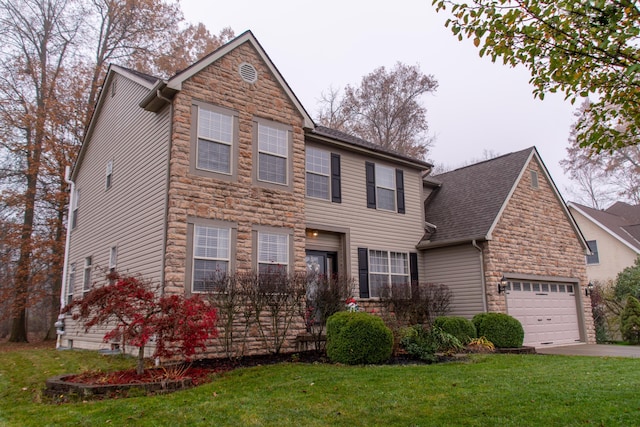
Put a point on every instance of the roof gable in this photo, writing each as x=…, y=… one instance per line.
x=471, y=200
x=621, y=221
x=167, y=88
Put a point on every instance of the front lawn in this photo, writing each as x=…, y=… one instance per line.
x=504, y=390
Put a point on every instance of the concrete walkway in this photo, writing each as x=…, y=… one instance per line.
x=593, y=350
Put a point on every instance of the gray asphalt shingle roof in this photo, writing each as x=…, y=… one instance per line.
x=470, y=198
x=621, y=219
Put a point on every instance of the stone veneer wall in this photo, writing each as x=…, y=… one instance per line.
x=534, y=234
x=241, y=201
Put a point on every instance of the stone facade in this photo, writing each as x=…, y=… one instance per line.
x=243, y=202
x=534, y=236
x=240, y=200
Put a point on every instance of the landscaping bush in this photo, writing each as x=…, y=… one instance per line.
x=423, y=343
x=459, y=327
x=501, y=329
x=357, y=337
x=630, y=321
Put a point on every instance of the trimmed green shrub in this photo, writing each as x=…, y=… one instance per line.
x=630, y=321
x=501, y=329
x=459, y=327
x=358, y=338
x=423, y=343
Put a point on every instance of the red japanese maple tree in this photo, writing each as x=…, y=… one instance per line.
x=137, y=313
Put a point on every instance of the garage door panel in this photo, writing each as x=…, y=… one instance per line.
x=548, y=312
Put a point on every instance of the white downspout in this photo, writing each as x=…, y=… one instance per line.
x=484, y=287
x=63, y=289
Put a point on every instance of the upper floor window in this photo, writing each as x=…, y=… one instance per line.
x=109, y=174
x=273, y=253
x=323, y=174
x=211, y=257
x=75, y=198
x=385, y=187
x=534, y=179
x=214, y=141
x=273, y=154
x=593, y=247
x=86, y=277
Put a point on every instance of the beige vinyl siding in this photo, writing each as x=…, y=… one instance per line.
x=364, y=227
x=460, y=269
x=130, y=214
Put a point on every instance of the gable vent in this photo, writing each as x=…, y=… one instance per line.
x=248, y=73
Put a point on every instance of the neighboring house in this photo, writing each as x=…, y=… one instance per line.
x=220, y=168
x=613, y=235
x=504, y=218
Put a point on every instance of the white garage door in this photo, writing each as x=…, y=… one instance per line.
x=548, y=312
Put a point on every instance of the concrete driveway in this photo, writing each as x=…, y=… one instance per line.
x=602, y=350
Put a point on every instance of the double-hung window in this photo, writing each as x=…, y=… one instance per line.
x=211, y=256
x=273, y=253
x=388, y=271
x=74, y=208
x=86, y=276
x=385, y=187
x=214, y=141
x=273, y=154
x=318, y=173
x=71, y=282
x=109, y=174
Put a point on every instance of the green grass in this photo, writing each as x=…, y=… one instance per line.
x=500, y=390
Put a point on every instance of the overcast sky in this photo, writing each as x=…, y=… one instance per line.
x=478, y=106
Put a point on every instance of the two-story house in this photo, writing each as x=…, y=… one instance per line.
x=220, y=168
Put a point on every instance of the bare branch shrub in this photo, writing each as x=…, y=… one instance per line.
x=426, y=302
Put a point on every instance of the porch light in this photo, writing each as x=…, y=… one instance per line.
x=589, y=289
x=502, y=285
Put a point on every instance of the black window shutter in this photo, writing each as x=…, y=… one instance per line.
x=336, y=192
x=413, y=271
x=363, y=272
x=400, y=190
x=371, y=184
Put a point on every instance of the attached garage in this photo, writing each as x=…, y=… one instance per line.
x=547, y=310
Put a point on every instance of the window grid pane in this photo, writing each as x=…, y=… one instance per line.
x=273, y=248
x=211, y=243
x=215, y=126
x=317, y=186
x=386, y=199
x=272, y=140
x=272, y=168
x=385, y=177
x=379, y=261
x=207, y=275
x=214, y=156
x=318, y=161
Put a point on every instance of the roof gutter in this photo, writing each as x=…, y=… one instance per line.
x=428, y=244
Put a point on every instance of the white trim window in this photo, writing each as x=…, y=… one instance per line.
x=593, y=258
x=86, y=274
x=215, y=140
x=109, y=174
x=318, y=166
x=211, y=249
x=74, y=208
x=388, y=271
x=71, y=282
x=386, y=188
x=273, y=154
x=273, y=253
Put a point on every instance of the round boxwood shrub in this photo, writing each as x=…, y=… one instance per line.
x=459, y=327
x=501, y=329
x=357, y=338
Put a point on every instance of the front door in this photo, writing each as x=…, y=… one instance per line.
x=320, y=264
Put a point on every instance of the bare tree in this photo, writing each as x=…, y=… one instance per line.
x=605, y=176
x=384, y=109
